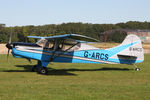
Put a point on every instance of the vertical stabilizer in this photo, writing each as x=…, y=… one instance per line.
x=129, y=51
x=134, y=47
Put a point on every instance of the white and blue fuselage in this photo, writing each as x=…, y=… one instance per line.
x=68, y=49
x=85, y=54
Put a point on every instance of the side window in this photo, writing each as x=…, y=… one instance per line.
x=70, y=45
x=49, y=45
x=46, y=43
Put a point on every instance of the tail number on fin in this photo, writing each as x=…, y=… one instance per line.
x=135, y=49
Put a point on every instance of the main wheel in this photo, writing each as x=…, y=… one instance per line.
x=43, y=70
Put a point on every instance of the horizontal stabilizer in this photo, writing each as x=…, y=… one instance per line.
x=127, y=57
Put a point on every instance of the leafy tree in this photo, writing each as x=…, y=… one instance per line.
x=88, y=29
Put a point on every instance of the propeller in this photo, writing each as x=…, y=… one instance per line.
x=9, y=44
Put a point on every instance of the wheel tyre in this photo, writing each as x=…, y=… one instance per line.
x=34, y=68
x=137, y=69
x=43, y=71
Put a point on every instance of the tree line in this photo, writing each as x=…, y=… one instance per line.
x=20, y=33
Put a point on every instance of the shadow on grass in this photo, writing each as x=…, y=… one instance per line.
x=51, y=71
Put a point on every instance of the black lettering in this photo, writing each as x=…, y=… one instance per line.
x=106, y=56
x=97, y=55
x=93, y=55
x=130, y=49
x=139, y=49
x=135, y=49
x=102, y=56
x=86, y=54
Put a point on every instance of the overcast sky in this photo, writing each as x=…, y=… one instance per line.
x=40, y=12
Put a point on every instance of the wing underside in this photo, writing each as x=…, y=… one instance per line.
x=68, y=36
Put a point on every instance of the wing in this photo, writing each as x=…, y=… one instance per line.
x=68, y=36
x=35, y=37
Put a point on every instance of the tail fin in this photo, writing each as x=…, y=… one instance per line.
x=130, y=50
x=135, y=49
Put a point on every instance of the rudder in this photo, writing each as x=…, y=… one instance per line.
x=135, y=48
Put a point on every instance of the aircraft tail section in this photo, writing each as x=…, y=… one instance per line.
x=130, y=49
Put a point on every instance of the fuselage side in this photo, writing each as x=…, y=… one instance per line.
x=85, y=54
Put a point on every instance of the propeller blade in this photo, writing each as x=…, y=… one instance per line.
x=10, y=36
x=8, y=54
x=9, y=44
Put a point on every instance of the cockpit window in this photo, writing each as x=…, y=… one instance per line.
x=45, y=43
x=70, y=45
x=59, y=45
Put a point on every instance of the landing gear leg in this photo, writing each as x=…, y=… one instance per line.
x=136, y=68
x=34, y=68
x=41, y=69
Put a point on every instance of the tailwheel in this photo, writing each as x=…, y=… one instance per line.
x=34, y=68
x=43, y=70
x=137, y=69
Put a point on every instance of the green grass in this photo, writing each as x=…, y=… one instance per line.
x=74, y=81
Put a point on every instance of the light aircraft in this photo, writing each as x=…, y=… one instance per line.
x=73, y=48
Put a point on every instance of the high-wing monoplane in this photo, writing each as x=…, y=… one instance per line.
x=73, y=48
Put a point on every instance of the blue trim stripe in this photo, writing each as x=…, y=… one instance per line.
x=118, y=49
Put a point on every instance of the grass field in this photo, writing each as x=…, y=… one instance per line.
x=74, y=81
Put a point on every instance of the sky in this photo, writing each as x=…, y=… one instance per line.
x=41, y=12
